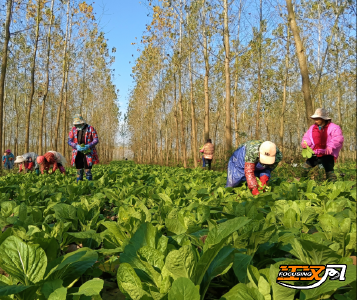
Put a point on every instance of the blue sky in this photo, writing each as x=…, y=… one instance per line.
x=122, y=21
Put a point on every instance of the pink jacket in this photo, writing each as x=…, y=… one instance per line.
x=334, y=140
x=208, y=150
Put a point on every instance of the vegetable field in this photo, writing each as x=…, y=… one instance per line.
x=150, y=233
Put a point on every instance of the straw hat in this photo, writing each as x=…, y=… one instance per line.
x=78, y=119
x=320, y=113
x=19, y=160
x=267, y=152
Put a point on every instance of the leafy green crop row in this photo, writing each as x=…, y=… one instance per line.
x=169, y=233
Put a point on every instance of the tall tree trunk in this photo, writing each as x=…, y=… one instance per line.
x=193, y=117
x=32, y=80
x=286, y=78
x=235, y=100
x=47, y=79
x=257, y=129
x=176, y=122
x=17, y=126
x=228, y=129
x=64, y=116
x=183, y=141
x=4, y=67
x=300, y=53
x=207, y=68
x=64, y=69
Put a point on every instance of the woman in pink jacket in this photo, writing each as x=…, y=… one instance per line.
x=326, y=140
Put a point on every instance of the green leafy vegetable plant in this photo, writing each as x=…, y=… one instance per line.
x=307, y=152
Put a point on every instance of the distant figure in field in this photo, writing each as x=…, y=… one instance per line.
x=253, y=159
x=51, y=158
x=8, y=160
x=208, y=152
x=326, y=140
x=83, y=157
x=28, y=162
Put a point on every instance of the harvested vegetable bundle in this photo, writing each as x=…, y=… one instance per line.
x=85, y=151
x=307, y=152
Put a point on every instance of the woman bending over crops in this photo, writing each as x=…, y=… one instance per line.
x=253, y=159
x=28, y=162
x=51, y=158
x=83, y=138
x=326, y=140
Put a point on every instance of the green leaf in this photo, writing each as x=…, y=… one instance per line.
x=240, y=266
x=219, y=266
x=58, y=294
x=71, y=266
x=176, y=226
x=91, y=288
x=27, y=263
x=214, y=243
x=129, y=282
x=50, y=286
x=6, y=290
x=65, y=212
x=330, y=285
x=289, y=218
x=184, y=289
x=242, y=292
x=313, y=253
x=181, y=262
x=307, y=152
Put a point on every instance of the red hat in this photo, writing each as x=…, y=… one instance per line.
x=8, y=151
x=40, y=159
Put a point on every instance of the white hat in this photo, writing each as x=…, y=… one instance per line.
x=267, y=153
x=320, y=113
x=19, y=160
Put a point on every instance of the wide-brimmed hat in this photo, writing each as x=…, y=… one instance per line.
x=267, y=152
x=19, y=160
x=320, y=113
x=78, y=119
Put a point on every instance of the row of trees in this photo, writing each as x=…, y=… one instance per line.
x=239, y=70
x=55, y=63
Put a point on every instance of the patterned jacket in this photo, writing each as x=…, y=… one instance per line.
x=208, y=151
x=91, y=139
x=252, y=163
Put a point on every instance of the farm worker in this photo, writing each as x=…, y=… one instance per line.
x=83, y=134
x=28, y=162
x=51, y=158
x=208, y=151
x=326, y=140
x=253, y=159
x=8, y=159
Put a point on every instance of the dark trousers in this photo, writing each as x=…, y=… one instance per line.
x=81, y=161
x=328, y=162
x=208, y=163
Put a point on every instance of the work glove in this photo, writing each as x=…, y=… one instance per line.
x=255, y=192
x=264, y=180
x=85, y=148
x=328, y=151
x=78, y=147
